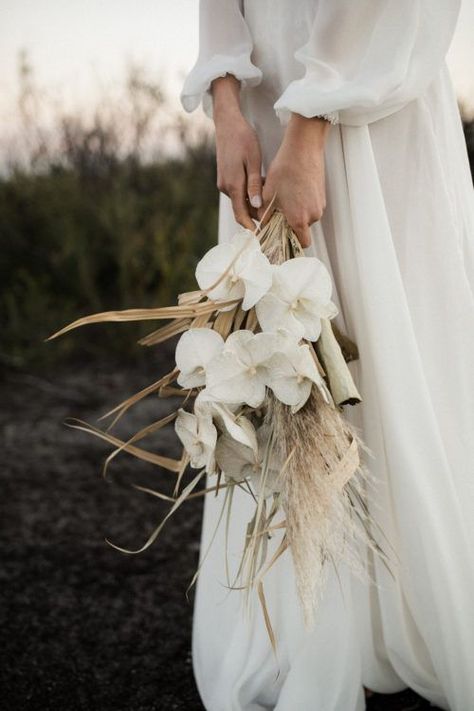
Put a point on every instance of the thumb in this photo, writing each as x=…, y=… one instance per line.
x=269, y=202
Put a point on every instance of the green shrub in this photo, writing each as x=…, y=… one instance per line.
x=90, y=224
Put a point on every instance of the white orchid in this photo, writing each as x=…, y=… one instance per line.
x=198, y=435
x=299, y=297
x=239, y=372
x=239, y=462
x=236, y=460
x=249, y=277
x=292, y=373
x=195, y=348
x=236, y=425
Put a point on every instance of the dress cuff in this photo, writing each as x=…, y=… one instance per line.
x=197, y=85
x=301, y=99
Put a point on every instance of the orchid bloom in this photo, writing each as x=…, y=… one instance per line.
x=249, y=277
x=299, y=297
x=195, y=348
x=198, y=436
x=236, y=460
x=292, y=373
x=239, y=462
x=239, y=372
x=236, y=425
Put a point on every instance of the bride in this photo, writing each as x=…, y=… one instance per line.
x=348, y=111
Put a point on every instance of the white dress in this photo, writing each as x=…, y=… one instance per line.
x=398, y=237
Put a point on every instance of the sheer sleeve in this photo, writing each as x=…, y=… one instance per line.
x=225, y=46
x=366, y=59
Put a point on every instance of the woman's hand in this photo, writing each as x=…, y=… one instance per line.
x=237, y=151
x=296, y=175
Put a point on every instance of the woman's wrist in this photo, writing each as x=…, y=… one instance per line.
x=225, y=98
x=312, y=132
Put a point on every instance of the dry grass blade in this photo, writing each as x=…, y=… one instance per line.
x=201, y=321
x=154, y=314
x=227, y=497
x=186, y=491
x=162, y=334
x=266, y=617
x=223, y=322
x=251, y=322
x=190, y=297
x=170, y=391
x=120, y=409
x=141, y=434
x=172, y=465
x=165, y=312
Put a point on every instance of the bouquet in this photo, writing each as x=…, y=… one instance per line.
x=263, y=375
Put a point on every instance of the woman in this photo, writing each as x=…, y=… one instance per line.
x=348, y=110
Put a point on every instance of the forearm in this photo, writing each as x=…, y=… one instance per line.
x=237, y=151
x=225, y=98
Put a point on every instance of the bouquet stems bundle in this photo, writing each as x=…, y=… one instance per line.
x=266, y=373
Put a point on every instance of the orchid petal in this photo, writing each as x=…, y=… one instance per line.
x=262, y=346
x=231, y=380
x=273, y=313
x=198, y=436
x=249, y=276
x=195, y=348
x=205, y=404
x=292, y=374
x=288, y=385
x=257, y=279
x=235, y=459
x=305, y=277
x=299, y=297
x=237, y=344
x=238, y=427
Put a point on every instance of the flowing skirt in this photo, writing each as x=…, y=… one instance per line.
x=398, y=238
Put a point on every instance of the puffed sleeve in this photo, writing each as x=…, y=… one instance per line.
x=364, y=60
x=225, y=46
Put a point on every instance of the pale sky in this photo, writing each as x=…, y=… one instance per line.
x=77, y=45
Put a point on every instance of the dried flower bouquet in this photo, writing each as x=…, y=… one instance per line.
x=266, y=373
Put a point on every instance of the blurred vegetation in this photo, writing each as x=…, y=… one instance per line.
x=90, y=222
x=101, y=214
x=469, y=135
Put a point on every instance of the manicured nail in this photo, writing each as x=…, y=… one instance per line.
x=256, y=201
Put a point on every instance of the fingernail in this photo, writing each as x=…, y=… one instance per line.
x=256, y=201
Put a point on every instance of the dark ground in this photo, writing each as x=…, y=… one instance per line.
x=84, y=627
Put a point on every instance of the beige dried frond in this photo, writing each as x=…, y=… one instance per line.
x=324, y=483
x=321, y=524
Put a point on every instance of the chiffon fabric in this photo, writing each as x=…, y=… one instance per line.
x=397, y=236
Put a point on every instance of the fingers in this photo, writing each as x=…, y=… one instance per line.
x=241, y=208
x=302, y=231
x=239, y=169
x=236, y=191
x=254, y=185
x=253, y=212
